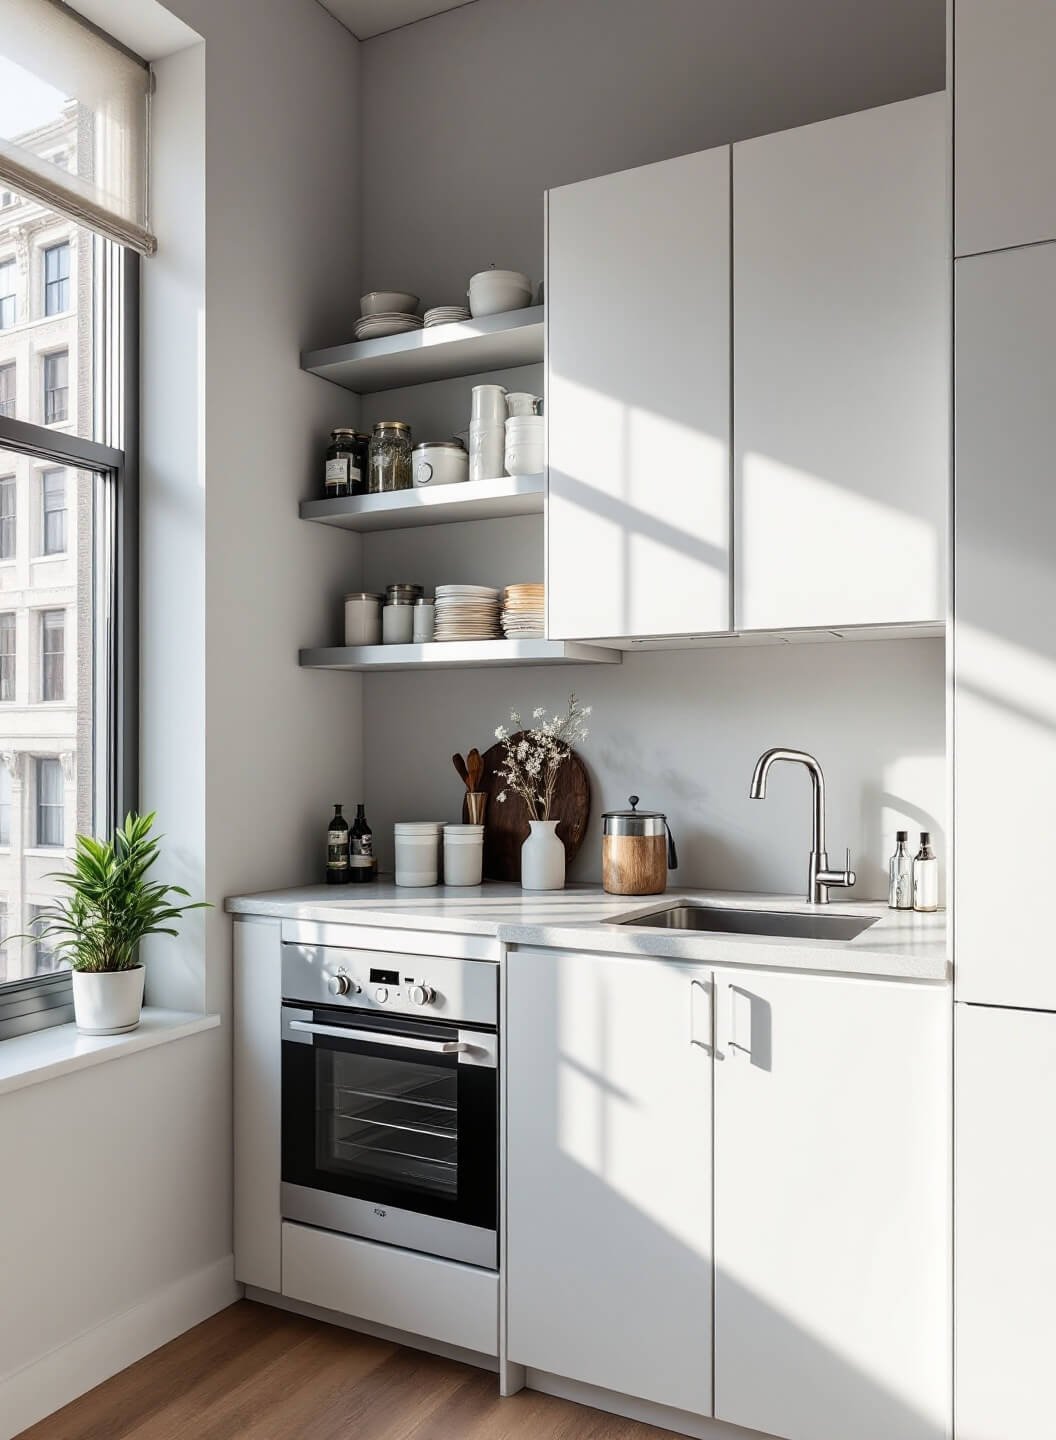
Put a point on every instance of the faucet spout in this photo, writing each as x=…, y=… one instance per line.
x=820, y=876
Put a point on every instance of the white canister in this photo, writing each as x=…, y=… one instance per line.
x=463, y=854
x=487, y=448
x=524, y=448
x=489, y=405
x=439, y=462
x=424, y=621
x=362, y=618
x=397, y=624
x=417, y=852
x=519, y=403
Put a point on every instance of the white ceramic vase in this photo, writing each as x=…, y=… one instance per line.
x=542, y=857
x=107, y=1002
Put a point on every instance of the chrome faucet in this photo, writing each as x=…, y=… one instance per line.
x=820, y=876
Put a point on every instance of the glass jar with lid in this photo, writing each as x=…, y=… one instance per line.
x=390, y=457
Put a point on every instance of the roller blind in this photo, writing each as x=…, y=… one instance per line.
x=74, y=112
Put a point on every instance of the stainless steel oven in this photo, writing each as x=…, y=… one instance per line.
x=390, y=1098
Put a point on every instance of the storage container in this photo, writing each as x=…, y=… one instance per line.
x=418, y=852
x=463, y=854
x=362, y=618
x=636, y=851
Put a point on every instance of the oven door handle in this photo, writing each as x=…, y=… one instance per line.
x=381, y=1037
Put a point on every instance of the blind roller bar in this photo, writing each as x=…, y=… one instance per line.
x=62, y=193
x=100, y=33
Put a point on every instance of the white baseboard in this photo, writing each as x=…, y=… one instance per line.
x=47, y=1384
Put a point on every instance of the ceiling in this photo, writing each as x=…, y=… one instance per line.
x=373, y=17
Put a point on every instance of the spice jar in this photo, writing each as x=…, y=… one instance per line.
x=343, y=469
x=390, y=457
x=362, y=618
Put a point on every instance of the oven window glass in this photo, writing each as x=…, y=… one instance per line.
x=388, y=1120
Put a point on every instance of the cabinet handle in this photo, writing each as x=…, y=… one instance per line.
x=740, y=1024
x=706, y=989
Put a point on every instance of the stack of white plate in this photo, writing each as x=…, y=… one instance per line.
x=524, y=611
x=389, y=322
x=467, y=612
x=445, y=315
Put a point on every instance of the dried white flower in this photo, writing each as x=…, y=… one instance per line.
x=531, y=764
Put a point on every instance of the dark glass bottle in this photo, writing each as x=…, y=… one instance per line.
x=363, y=866
x=341, y=464
x=337, y=850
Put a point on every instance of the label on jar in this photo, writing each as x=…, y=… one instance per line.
x=337, y=471
x=355, y=475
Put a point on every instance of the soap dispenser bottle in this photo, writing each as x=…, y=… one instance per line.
x=925, y=876
x=900, y=875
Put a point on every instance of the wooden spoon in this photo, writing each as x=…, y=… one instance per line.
x=474, y=768
x=460, y=766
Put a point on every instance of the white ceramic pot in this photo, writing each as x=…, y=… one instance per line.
x=439, y=462
x=489, y=405
x=491, y=292
x=418, y=852
x=107, y=1002
x=463, y=854
x=542, y=857
x=362, y=618
x=487, y=448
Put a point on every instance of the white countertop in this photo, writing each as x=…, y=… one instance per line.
x=901, y=944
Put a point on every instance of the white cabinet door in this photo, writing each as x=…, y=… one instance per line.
x=832, y=1206
x=609, y=1173
x=638, y=336
x=1005, y=638
x=257, y=1000
x=1004, y=1203
x=841, y=364
x=1004, y=121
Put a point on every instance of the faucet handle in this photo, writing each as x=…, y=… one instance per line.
x=850, y=877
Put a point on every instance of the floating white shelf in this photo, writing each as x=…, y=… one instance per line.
x=457, y=655
x=405, y=509
x=468, y=347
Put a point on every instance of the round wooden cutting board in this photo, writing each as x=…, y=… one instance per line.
x=506, y=822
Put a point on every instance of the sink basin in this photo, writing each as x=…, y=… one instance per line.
x=728, y=920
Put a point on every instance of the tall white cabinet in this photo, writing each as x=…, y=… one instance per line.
x=841, y=365
x=638, y=400
x=1005, y=106
x=1005, y=635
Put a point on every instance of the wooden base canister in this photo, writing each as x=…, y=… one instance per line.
x=634, y=864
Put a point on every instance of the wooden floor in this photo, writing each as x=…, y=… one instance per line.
x=262, y=1374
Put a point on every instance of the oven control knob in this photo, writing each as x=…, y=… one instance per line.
x=341, y=984
x=421, y=995
x=381, y=994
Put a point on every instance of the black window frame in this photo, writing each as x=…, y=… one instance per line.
x=58, y=288
x=51, y=415
x=38, y=1001
x=7, y=404
x=46, y=545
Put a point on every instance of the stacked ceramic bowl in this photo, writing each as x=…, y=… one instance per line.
x=523, y=453
x=523, y=611
x=387, y=312
x=445, y=315
x=491, y=292
x=467, y=612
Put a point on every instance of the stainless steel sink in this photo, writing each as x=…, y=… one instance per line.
x=728, y=920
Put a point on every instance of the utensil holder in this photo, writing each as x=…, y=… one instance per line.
x=476, y=800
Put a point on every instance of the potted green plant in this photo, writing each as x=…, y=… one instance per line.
x=97, y=926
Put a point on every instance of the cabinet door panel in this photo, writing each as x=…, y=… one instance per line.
x=1005, y=639
x=841, y=363
x=257, y=997
x=1004, y=119
x=609, y=1174
x=832, y=1198
x=638, y=329
x=1004, y=1203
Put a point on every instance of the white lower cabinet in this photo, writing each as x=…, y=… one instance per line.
x=820, y=1280
x=1004, y=1209
x=257, y=1001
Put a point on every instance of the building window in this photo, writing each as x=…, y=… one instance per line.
x=56, y=387
x=53, y=512
x=8, y=299
x=7, y=197
x=7, y=389
x=50, y=802
x=44, y=957
x=57, y=278
x=7, y=657
x=52, y=655
x=5, y=812
x=7, y=517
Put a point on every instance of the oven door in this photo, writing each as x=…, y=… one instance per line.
x=389, y=1130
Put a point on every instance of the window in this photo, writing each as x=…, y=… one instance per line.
x=7, y=389
x=44, y=956
x=50, y=802
x=7, y=197
x=57, y=278
x=52, y=655
x=8, y=299
x=56, y=387
x=53, y=512
x=5, y=813
x=7, y=657
x=7, y=517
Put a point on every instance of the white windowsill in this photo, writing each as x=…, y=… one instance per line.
x=46, y=1054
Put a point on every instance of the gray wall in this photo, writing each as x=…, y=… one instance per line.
x=469, y=116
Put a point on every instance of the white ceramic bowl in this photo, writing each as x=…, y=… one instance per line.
x=394, y=301
x=491, y=292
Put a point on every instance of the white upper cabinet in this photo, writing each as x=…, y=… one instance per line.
x=841, y=364
x=638, y=401
x=832, y=1200
x=609, y=1173
x=1005, y=638
x=1004, y=123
